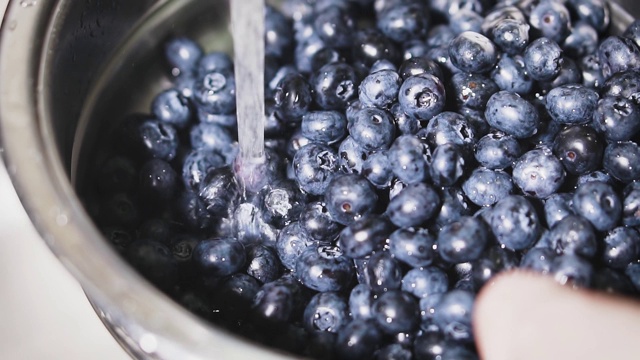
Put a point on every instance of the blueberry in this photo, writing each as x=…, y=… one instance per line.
x=327, y=311
x=371, y=45
x=497, y=150
x=617, y=118
x=422, y=96
x=314, y=166
x=622, y=161
x=396, y=311
x=154, y=261
x=277, y=301
x=215, y=92
x=219, y=257
x=182, y=54
x=404, y=21
x=551, y=19
x=591, y=71
x=148, y=138
x=466, y=20
x=212, y=137
x=408, y=157
x=393, y=351
x=472, y=90
x=215, y=61
x=538, y=173
x=292, y=98
x=278, y=33
x=599, y=203
x=192, y=211
x=449, y=127
x=621, y=247
x=454, y=205
x=614, y=282
x=282, y=202
x=424, y=282
x=573, y=235
x=384, y=273
x=543, y=59
x=373, y=129
x=317, y=222
x=358, y=340
x=617, y=53
x=364, y=236
x=508, y=112
x=249, y=227
x=419, y=65
x=414, y=205
x=334, y=85
x=447, y=165
x=240, y=287
x=380, y=88
x=572, y=270
x=263, y=263
x=352, y=156
x=172, y=107
x=219, y=191
x=378, y=170
x=582, y=40
x=158, y=182
x=197, y=164
x=325, y=127
x=324, y=268
x=571, y=104
x=579, y=149
x=514, y=222
x=631, y=205
x=453, y=315
x=633, y=272
x=557, y=207
x=495, y=259
x=291, y=242
x=594, y=12
x=349, y=197
x=510, y=35
x=463, y=240
x=623, y=84
x=414, y=247
x=473, y=52
x=360, y=301
x=335, y=26
x=485, y=187
x=538, y=259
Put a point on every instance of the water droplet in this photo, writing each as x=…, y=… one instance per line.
x=28, y=3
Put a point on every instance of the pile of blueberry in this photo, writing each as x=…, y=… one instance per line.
x=415, y=149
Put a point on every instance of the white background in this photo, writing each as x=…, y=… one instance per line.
x=43, y=312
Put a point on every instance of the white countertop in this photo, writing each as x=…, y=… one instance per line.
x=43, y=312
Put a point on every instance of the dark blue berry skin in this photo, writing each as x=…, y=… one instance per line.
x=263, y=263
x=380, y=88
x=572, y=270
x=449, y=127
x=212, y=137
x=551, y=19
x=510, y=74
x=508, y=112
x=573, y=235
x=226, y=120
x=466, y=20
x=325, y=127
x=317, y=222
x=158, y=182
x=441, y=56
x=117, y=174
x=582, y=40
x=617, y=118
x=404, y=21
x=494, y=260
x=539, y=259
x=291, y=242
x=327, y=311
x=154, y=261
x=633, y=272
x=617, y=53
x=364, y=236
x=324, y=268
x=219, y=191
x=463, y=240
x=598, y=175
x=215, y=92
x=514, y=222
x=622, y=161
x=424, y=282
x=414, y=247
x=305, y=51
x=497, y=151
x=591, y=71
x=278, y=301
x=613, y=282
x=248, y=227
x=557, y=207
x=219, y=257
x=172, y=107
x=599, y=203
x=282, y=202
x=422, y=96
x=623, y=84
x=453, y=315
x=192, y=212
x=215, y=61
x=314, y=166
x=538, y=173
x=360, y=301
x=633, y=31
x=334, y=86
x=472, y=90
x=408, y=157
x=579, y=149
x=119, y=209
x=510, y=35
x=349, y=197
x=197, y=164
x=148, y=138
x=240, y=287
x=278, y=33
x=419, y=65
x=457, y=351
x=335, y=26
x=571, y=104
x=378, y=170
x=373, y=129
x=631, y=204
x=182, y=54
x=454, y=205
x=595, y=13
x=414, y=205
x=381, y=65
x=396, y=311
x=384, y=273
x=447, y=165
x=485, y=187
x=543, y=59
x=430, y=345
x=358, y=340
x=393, y=351
x=621, y=247
x=473, y=52
x=352, y=156
x=570, y=73
x=371, y=45
x=292, y=98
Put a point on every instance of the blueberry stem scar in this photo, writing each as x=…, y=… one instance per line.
x=247, y=28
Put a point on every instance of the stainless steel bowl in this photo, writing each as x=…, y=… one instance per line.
x=63, y=64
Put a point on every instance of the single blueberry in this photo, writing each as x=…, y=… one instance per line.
x=573, y=235
x=453, y=315
x=384, y=273
x=538, y=173
x=291, y=242
x=497, y=150
x=326, y=311
x=325, y=127
x=380, y=88
x=515, y=222
x=324, y=268
x=172, y=107
x=314, y=166
x=557, y=207
x=373, y=129
x=424, y=282
x=508, y=112
x=197, y=164
x=378, y=170
x=413, y=206
x=182, y=54
x=622, y=160
x=539, y=260
x=422, y=96
x=405, y=21
x=599, y=203
x=349, y=197
x=219, y=257
x=220, y=191
x=463, y=240
x=364, y=236
x=473, y=52
x=485, y=187
x=334, y=86
x=360, y=301
x=572, y=270
x=358, y=340
x=617, y=53
x=621, y=247
x=414, y=247
x=154, y=261
x=510, y=74
x=215, y=92
x=396, y=311
x=408, y=157
x=543, y=59
x=579, y=149
x=447, y=164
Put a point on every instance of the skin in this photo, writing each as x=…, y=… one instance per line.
x=522, y=316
